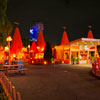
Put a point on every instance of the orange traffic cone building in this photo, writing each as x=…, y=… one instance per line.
x=64, y=38
x=40, y=42
x=16, y=45
x=90, y=34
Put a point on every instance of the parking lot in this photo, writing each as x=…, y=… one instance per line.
x=57, y=82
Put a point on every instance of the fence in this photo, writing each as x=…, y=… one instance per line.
x=8, y=88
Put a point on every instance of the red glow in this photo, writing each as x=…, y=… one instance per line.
x=64, y=38
x=45, y=62
x=16, y=44
x=97, y=67
x=90, y=34
x=40, y=40
x=33, y=47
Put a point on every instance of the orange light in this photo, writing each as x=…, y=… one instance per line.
x=9, y=38
x=38, y=47
x=31, y=51
x=36, y=57
x=97, y=67
x=6, y=49
x=32, y=62
x=24, y=49
x=39, y=56
x=28, y=46
x=65, y=71
x=52, y=62
x=62, y=62
x=14, y=55
x=45, y=62
x=21, y=57
x=42, y=49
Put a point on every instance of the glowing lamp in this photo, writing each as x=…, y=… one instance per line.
x=42, y=49
x=28, y=46
x=31, y=51
x=62, y=62
x=97, y=67
x=21, y=57
x=52, y=62
x=45, y=62
x=38, y=47
x=14, y=55
x=9, y=38
x=32, y=62
x=36, y=57
x=39, y=56
x=6, y=49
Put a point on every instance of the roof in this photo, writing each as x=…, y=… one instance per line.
x=88, y=41
x=16, y=44
x=64, y=39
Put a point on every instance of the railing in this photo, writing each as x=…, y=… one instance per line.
x=8, y=88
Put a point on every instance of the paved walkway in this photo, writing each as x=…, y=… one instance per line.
x=57, y=82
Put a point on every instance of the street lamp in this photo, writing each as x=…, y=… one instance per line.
x=9, y=39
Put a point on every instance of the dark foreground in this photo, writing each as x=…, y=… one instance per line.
x=57, y=82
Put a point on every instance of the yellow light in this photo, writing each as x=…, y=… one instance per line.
x=45, y=62
x=38, y=47
x=97, y=67
x=14, y=55
x=28, y=46
x=11, y=58
x=32, y=62
x=6, y=49
x=36, y=57
x=39, y=56
x=9, y=38
x=42, y=49
x=62, y=62
x=24, y=49
x=52, y=62
x=21, y=57
x=31, y=51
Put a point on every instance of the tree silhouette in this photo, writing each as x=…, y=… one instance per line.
x=5, y=25
x=48, y=52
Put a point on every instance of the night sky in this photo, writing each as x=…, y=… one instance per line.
x=76, y=15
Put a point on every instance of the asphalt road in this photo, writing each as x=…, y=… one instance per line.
x=57, y=82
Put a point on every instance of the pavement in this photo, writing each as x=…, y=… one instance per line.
x=57, y=82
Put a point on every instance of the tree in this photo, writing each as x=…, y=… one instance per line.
x=48, y=52
x=25, y=42
x=5, y=25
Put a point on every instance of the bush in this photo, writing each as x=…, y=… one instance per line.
x=3, y=95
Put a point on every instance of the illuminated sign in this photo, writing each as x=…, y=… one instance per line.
x=34, y=31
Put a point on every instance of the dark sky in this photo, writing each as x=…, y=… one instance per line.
x=76, y=15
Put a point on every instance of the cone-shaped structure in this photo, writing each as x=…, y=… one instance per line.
x=16, y=45
x=64, y=38
x=33, y=47
x=90, y=34
x=40, y=40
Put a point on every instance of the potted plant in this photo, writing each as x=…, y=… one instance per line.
x=73, y=59
x=77, y=60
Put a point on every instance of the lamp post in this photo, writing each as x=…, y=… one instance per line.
x=9, y=39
